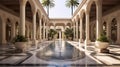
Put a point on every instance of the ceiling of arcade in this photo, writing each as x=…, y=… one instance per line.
x=106, y=6
x=14, y=8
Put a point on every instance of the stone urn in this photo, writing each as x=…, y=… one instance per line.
x=21, y=43
x=102, y=46
x=21, y=46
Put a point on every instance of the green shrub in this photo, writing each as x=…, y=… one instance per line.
x=52, y=33
x=69, y=33
x=102, y=38
x=20, y=38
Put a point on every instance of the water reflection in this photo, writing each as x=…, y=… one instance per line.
x=60, y=50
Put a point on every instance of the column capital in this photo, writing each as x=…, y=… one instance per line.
x=98, y=2
x=22, y=2
x=34, y=11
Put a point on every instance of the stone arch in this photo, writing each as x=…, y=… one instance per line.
x=78, y=25
x=59, y=24
x=114, y=29
x=39, y=13
x=42, y=24
x=28, y=8
x=93, y=34
x=51, y=24
x=43, y=19
x=68, y=24
x=83, y=17
x=82, y=13
x=88, y=8
x=37, y=25
x=92, y=6
x=29, y=14
x=32, y=4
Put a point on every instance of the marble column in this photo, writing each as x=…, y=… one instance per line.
x=44, y=31
x=3, y=31
x=76, y=30
x=81, y=30
x=99, y=18
x=22, y=17
x=40, y=28
x=34, y=27
x=87, y=40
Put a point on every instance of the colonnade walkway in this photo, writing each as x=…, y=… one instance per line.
x=90, y=58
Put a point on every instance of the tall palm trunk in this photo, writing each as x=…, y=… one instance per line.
x=71, y=10
x=48, y=10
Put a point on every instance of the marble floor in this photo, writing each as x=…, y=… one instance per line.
x=90, y=59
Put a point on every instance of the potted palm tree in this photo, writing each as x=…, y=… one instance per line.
x=102, y=44
x=20, y=43
x=69, y=33
x=51, y=34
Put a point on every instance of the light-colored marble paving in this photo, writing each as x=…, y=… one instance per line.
x=108, y=60
x=12, y=60
x=98, y=59
x=28, y=66
x=1, y=57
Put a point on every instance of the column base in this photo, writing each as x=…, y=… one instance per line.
x=87, y=42
x=76, y=39
x=103, y=50
x=81, y=40
x=117, y=42
x=4, y=42
x=35, y=43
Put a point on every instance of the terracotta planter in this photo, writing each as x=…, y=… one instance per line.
x=101, y=45
x=21, y=45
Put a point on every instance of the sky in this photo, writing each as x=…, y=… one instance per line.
x=60, y=10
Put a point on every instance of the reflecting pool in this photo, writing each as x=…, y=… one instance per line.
x=60, y=50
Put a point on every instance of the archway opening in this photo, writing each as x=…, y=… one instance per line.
x=8, y=30
x=17, y=28
x=78, y=28
x=104, y=28
x=29, y=17
x=42, y=24
x=37, y=26
x=93, y=22
x=114, y=30
x=84, y=27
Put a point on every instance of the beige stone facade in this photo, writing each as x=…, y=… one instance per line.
x=35, y=26
x=92, y=28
